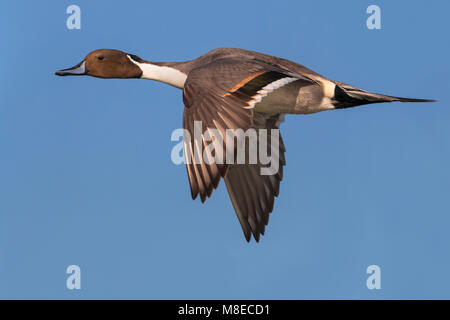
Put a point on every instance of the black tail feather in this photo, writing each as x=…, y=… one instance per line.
x=347, y=96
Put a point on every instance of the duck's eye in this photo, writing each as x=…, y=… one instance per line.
x=100, y=57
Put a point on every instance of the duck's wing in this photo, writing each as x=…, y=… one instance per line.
x=221, y=95
x=252, y=193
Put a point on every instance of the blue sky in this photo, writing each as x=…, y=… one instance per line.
x=86, y=176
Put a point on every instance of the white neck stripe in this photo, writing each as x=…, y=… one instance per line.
x=164, y=74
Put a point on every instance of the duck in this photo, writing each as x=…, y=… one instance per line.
x=235, y=89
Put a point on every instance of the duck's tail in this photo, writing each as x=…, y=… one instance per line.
x=346, y=96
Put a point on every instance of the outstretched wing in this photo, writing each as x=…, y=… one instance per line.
x=222, y=95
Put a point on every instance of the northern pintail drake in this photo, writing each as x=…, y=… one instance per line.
x=230, y=88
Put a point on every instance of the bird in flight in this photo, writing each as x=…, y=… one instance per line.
x=235, y=89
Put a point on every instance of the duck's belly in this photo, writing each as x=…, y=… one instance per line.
x=299, y=97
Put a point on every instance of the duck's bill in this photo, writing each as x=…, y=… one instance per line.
x=78, y=70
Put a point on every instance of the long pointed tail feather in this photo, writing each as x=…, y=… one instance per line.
x=347, y=96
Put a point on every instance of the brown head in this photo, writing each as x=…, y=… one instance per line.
x=105, y=63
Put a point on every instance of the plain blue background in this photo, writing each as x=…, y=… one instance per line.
x=86, y=176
